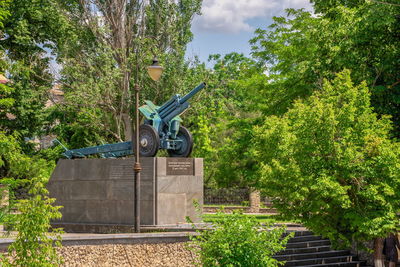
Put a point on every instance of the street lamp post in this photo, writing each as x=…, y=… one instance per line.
x=154, y=71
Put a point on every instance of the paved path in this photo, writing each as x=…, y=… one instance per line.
x=170, y=234
x=70, y=239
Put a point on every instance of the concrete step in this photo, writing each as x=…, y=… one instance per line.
x=305, y=250
x=340, y=264
x=305, y=238
x=308, y=244
x=321, y=261
x=308, y=250
x=315, y=255
x=299, y=233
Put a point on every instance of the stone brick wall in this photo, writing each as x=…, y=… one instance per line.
x=4, y=197
x=121, y=255
x=143, y=255
x=254, y=200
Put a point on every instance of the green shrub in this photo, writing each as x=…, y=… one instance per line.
x=245, y=203
x=34, y=244
x=238, y=240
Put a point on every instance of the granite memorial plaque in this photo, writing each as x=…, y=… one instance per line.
x=180, y=166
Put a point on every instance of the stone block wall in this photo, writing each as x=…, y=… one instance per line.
x=4, y=197
x=101, y=191
x=140, y=255
x=124, y=255
x=176, y=193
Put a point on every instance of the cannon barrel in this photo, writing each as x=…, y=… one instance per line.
x=192, y=93
x=167, y=104
x=177, y=105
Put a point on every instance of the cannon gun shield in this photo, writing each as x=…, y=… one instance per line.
x=149, y=141
x=185, y=147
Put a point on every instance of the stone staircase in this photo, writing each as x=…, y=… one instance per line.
x=307, y=249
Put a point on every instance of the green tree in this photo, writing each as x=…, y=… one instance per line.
x=331, y=163
x=302, y=50
x=34, y=244
x=27, y=38
x=218, y=116
x=325, y=6
x=113, y=43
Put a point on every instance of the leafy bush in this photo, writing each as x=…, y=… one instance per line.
x=34, y=245
x=246, y=203
x=238, y=240
x=330, y=162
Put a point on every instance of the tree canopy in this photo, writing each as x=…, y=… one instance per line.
x=330, y=162
x=301, y=50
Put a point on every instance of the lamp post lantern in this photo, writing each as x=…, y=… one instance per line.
x=154, y=71
x=3, y=79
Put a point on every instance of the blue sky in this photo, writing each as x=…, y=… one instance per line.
x=227, y=25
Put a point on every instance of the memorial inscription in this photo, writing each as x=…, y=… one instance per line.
x=180, y=166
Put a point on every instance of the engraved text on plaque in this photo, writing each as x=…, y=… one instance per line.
x=180, y=166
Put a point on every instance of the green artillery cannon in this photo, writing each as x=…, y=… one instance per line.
x=161, y=129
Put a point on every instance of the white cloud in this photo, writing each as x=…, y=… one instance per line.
x=231, y=16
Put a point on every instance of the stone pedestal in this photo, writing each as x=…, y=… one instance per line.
x=4, y=197
x=254, y=201
x=101, y=191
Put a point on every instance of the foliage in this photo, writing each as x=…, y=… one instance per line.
x=34, y=245
x=17, y=165
x=28, y=37
x=236, y=166
x=223, y=113
x=32, y=220
x=210, y=113
x=324, y=6
x=239, y=240
x=297, y=53
x=261, y=218
x=33, y=26
x=330, y=162
x=6, y=102
x=327, y=6
x=108, y=56
x=4, y=11
x=303, y=49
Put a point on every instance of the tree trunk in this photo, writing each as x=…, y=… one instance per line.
x=127, y=127
x=378, y=256
x=254, y=201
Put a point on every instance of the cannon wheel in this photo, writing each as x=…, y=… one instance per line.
x=185, y=149
x=149, y=141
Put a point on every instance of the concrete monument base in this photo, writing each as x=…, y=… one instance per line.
x=101, y=191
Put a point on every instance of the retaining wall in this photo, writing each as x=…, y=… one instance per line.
x=142, y=250
x=143, y=255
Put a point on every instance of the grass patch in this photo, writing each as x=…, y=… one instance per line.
x=225, y=205
x=261, y=218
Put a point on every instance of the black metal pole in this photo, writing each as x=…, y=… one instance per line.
x=137, y=168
